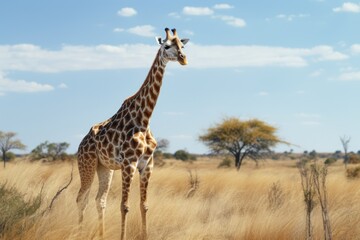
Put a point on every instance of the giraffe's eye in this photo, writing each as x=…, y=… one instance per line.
x=167, y=47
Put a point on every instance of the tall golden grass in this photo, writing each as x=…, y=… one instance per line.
x=227, y=205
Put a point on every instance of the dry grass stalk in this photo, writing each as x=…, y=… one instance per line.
x=194, y=184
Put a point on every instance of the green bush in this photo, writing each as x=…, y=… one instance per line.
x=330, y=161
x=14, y=208
x=183, y=155
x=226, y=163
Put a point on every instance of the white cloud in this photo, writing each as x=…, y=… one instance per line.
x=188, y=32
x=350, y=76
x=26, y=57
x=348, y=7
x=8, y=85
x=174, y=15
x=233, y=21
x=327, y=53
x=317, y=73
x=222, y=6
x=309, y=119
x=119, y=30
x=127, y=12
x=62, y=85
x=307, y=115
x=290, y=17
x=300, y=92
x=310, y=123
x=258, y=56
x=263, y=94
x=197, y=11
x=144, y=31
x=355, y=48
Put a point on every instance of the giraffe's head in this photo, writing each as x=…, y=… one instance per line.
x=171, y=47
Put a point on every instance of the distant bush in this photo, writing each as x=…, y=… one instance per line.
x=183, y=155
x=330, y=161
x=353, y=172
x=226, y=163
x=50, y=151
x=354, y=158
x=14, y=208
x=167, y=155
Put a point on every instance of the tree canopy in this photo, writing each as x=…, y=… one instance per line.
x=53, y=151
x=7, y=142
x=252, y=138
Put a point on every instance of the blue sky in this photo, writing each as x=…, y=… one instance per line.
x=65, y=65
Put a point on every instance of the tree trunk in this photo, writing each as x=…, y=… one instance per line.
x=4, y=158
x=238, y=161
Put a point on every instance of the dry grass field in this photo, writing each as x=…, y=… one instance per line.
x=227, y=205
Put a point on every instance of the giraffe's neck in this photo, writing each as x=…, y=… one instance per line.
x=143, y=102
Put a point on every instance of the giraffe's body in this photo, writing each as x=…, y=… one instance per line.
x=125, y=141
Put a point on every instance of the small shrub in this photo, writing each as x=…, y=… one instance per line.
x=14, y=208
x=275, y=196
x=330, y=161
x=226, y=163
x=354, y=158
x=184, y=155
x=353, y=172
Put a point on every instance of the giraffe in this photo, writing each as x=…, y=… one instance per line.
x=124, y=141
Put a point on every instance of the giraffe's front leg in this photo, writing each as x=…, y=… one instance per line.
x=144, y=181
x=127, y=176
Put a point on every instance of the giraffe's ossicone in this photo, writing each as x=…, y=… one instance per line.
x=125, y=141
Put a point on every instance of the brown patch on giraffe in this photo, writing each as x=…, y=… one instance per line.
x=156, y=88
x=145, y=121
x=151, y=104
x=110, y=149
x=158, y=76
x=129, y=153
x=155, y=69
x=105, y=141
x=143, y=103
x=147, y=112
x=116, y=139
x=92, y=155
x=134, y=144
x=92, y=148
x=104, y=152
x=110, y=134
x=153, y=95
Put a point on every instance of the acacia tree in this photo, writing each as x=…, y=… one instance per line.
x=252, y=138
x=46, y=149
x=7, y=142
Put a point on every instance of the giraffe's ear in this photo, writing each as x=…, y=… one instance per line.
x=185, y=40
x=158, y=40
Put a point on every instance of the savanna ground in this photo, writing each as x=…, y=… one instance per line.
x=226, y=205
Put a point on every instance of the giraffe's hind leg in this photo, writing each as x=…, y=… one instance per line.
x=105, y=176
x=144, y=181
x=87, y=167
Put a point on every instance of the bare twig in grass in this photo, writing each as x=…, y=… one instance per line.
x=319, y=174
x=59, y=191
x=309, y=195
x=194, y=184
